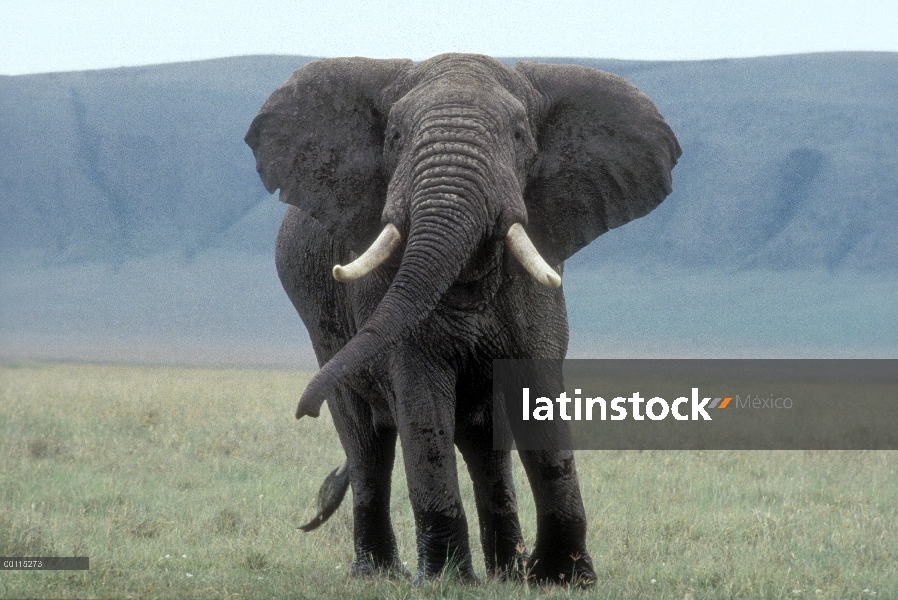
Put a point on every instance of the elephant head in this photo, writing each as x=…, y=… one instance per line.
x=455, y=159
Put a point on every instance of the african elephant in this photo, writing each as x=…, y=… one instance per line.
x=444, y=192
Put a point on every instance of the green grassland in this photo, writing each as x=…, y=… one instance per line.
x=191, y=482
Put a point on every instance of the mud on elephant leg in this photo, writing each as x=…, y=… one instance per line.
x=504, y=551
x=491, y=473
x=371, y=451
x=425, y=412
x=559, y=555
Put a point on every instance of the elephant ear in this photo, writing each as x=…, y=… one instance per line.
x=319, y=139
x=605, y=157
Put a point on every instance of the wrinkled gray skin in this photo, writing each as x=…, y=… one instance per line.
x=452, y=151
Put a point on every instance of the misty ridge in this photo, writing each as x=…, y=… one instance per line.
x=788, y=162
x=131, y=215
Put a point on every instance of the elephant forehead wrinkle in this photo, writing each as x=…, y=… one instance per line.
x=460, y=135
x=444, y=205
x=463, y=108
x=456, y=173
x=463, y=187
x=475, y=186
x=465, y=89
x=429, y=149
x=469, y=145
x=447, y=153
x=467, y=113
x=480, y=113
x=466, y=110
x=449, y=122
x=447, y=186
x=468, y=142
x=456, y=166
x=451, y=164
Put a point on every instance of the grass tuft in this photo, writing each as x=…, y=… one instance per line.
x=22, y=537
x=227, y=522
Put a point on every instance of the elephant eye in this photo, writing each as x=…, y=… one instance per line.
x=396, y=136
x=517, y=134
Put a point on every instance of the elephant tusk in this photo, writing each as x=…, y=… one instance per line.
x=523, y=250
x=373, y=257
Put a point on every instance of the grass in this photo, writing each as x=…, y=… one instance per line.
x=191, y=482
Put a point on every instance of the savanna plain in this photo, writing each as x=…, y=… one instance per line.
x=187, y=483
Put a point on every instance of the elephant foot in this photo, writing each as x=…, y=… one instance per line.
x=367, y=568
x=443, y=550
x=509, y=566
x=574, y=569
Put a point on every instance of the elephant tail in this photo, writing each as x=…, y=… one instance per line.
x=330, y=496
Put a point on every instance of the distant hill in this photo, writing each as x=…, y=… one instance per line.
x=133, y=161
x=788, y=161
x=133, y=226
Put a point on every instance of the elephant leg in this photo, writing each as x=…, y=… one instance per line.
x=425, y=415
x=560, y=552
x=491, y=472
x=371, y=450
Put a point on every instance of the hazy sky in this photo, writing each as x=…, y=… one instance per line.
x=46, y=35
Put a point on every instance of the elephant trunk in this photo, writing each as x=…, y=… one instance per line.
x=447, y=223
